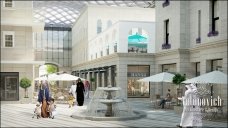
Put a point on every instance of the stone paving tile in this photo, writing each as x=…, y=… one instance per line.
x=20, y=115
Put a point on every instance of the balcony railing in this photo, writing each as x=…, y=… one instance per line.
x=166, y=3
x=198, y=40
x=166, y=46
x=212, y=33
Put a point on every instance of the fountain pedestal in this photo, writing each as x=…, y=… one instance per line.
x=114, y=107
x=109, y=110
x=110, y=101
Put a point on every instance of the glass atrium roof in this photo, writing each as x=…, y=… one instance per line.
x=65, y=13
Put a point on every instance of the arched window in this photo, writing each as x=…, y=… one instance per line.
x=114, y=35
x=99, y=26
x=109, y=23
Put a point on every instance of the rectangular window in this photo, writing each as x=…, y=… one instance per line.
x=8, y=3
x=166, y=44
x=169, y=68
x=115, y=47
x=99, y=29
x=167, y=31
x=107, y=51
x=198, y=40
x=8, y=39
x=197, y=68
x=216, y=65
x=101, y=53
x=214, y=18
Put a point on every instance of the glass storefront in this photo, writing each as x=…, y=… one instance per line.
x=169, y=68
x=135, y=88
x=54, y=45
x=9, y=86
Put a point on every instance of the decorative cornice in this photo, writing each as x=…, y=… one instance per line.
x=171, y=52
x=115, y=56
x=22, y=62
x=208, y=45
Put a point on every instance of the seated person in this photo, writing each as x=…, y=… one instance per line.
x=167, y=98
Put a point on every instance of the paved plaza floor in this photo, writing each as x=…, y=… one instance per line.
x=20, y=115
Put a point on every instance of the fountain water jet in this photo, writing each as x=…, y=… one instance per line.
x=108, y=104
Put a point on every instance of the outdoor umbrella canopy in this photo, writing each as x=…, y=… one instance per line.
x=214, y=77
x=161, y=77
x=46, y=77
x=41, y=78
x=64, y=77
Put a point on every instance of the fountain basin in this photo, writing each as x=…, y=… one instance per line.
x=109, y=89
x=110, y=101
x=83, y=116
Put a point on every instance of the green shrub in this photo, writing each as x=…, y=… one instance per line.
x=178, y=78
x=25, y=83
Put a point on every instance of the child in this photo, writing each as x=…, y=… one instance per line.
x=52, y=108
x=37, y=111
x=70, y=100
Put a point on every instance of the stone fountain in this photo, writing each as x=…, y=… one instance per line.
x=108, y=104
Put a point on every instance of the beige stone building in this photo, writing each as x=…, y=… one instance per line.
x=17, y=51
x=191, y=39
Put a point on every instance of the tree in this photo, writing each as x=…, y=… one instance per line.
x=51, y=69
x=177, y=79
x=25, y=83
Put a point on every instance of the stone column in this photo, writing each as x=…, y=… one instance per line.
x=110, y=81
x=94, y=83
x=103, y=79
x=98, y=79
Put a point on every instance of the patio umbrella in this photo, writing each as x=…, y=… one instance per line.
x=214, y=77
x=161, y=77
x=46, y=77
x=136, y=38
x=65, y=77
x=41, y=78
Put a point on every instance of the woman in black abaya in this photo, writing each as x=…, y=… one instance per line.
x=80, y=92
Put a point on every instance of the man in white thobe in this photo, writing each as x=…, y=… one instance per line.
x=197, y=121
x=187, y=115
x=73, y=91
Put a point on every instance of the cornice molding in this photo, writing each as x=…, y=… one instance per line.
x=209, y=45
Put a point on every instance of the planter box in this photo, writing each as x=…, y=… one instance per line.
x=178, y=109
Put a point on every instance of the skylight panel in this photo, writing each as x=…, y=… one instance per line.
x=63, y=19
x=58, y=16
x=67, y=12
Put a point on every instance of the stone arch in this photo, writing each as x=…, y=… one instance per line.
x=99, y=26
x=114, y=35
x=109, y=23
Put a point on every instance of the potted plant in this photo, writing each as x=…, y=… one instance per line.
x=25, y=83
x=177, y=79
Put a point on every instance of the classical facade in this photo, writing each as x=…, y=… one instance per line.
x=110, y=44
x=17, y=51
x=190, y=38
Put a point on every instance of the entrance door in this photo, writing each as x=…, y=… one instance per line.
x=9, y=86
